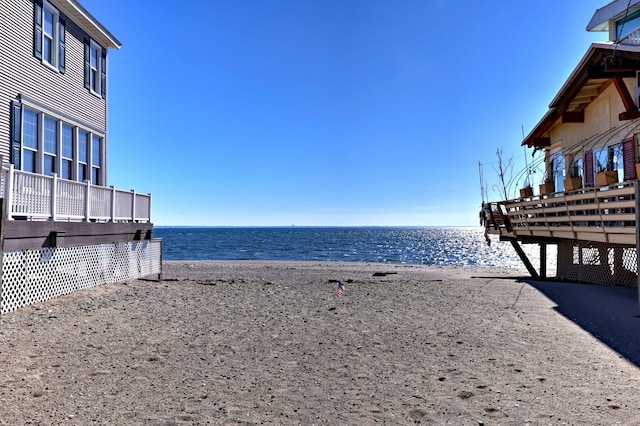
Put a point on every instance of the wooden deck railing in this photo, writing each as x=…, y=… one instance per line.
x=606, y=214
x=38, y=197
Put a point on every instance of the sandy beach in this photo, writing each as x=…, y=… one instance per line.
x=271, y=343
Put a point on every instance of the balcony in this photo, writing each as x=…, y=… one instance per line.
x=604, y=214
x=47, y=212
x=30, y=196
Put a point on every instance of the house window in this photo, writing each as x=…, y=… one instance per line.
x=96, y=144
x=610, y=158
x=577, y=167
x=83, y=160
x=93, y=75
x=626, y=26
x=50, y=145
x=45, y=144
x=558, y=165
x=66, y=171
x=29, y=140
x=95, y=68
x=49, y=36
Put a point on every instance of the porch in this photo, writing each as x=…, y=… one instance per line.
x=594, y=230
x=600, y=214
x=46, y=211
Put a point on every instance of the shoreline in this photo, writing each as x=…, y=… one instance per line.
x=270, y=342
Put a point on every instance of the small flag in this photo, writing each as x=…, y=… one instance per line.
x=340, y=288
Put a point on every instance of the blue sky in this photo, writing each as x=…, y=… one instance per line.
x=332, y=112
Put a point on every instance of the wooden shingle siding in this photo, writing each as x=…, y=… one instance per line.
x=21, y=73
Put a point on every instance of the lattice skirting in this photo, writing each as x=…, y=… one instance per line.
x=32, y=276
x=597, y=263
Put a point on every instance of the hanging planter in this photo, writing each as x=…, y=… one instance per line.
x=572, y=183
x=526, y=192
x=606, y=178
x=547, y=188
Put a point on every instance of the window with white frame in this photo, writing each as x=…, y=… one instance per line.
x=50, y=139
x=95, y=68
x=66, y=169
x=96, y=156
x=29, y=141
x=83, y=156
x=46, y=144
x=558, y=164
x=49, y=35
x=609, y=158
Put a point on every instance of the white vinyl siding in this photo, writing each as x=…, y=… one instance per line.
x=26, y=77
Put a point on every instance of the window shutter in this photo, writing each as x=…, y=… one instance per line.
x=61, y=45
x=103, y=72
x=37, y=30
x=16, y=120
x=629, y=159
x=87, y=63
x=588, y=168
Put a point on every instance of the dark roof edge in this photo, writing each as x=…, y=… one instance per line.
x=92, y=21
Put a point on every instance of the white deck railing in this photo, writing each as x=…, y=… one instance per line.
x=37, y=197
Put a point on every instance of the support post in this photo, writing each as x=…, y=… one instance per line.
x=637, y=200
x=113, y=203
x=133, y=205
x=149, y=207
x=87, y=201
x=8, y=193
x=524, y=258
x=543, y=260
x=2, y=219
x=54, y=196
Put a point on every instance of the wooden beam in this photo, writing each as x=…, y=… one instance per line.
x=628, y=115
x=573, y=117
x=25, y=235
x=542, y=141
x=543, y=127
x=524, y=258
x=543, y=260
x=625, y=96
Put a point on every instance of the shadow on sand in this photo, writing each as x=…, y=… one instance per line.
x=609, y=313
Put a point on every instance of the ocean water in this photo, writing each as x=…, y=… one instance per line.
x=463, y=246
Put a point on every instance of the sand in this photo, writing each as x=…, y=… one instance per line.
x=271, y=343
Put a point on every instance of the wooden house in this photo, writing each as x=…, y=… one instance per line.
x=61, y=226
x=590, y=138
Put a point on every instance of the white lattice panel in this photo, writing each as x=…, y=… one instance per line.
x=32, y=276
x=597, y=263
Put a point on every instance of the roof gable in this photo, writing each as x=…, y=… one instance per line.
x=603, y=64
